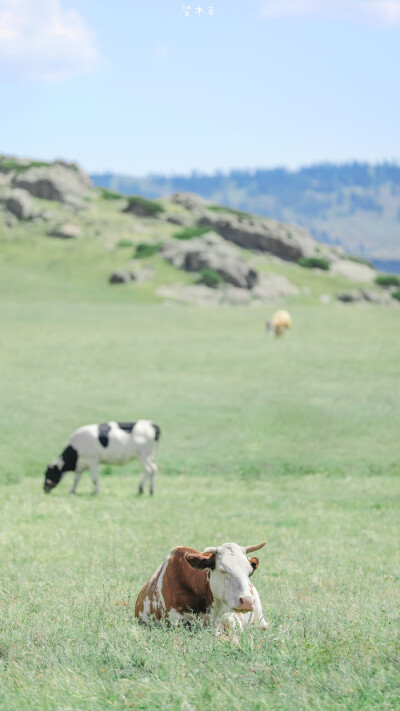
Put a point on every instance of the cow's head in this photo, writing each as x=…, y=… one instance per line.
x=52, y=477
x=230, y=570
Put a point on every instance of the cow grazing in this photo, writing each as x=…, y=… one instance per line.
x=108, y=443
x=279, y=323
x=213, y=586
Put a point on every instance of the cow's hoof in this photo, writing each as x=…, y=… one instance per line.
x=151, y=492
x=140, y=492
x=72, y=491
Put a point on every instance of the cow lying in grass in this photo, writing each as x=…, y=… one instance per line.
x=213, y=586
x=108, y=443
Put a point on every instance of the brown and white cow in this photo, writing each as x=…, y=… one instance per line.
x=213, y=586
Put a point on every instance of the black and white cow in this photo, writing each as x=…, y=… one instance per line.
x=108, y=443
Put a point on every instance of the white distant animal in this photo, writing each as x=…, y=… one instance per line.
x=107, y=443
x=280, y=321
x=213, y=586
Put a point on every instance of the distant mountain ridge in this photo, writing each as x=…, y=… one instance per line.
x=356, y=205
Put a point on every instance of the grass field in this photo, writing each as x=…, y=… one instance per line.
x=295, y=442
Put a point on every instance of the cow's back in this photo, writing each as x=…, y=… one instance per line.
x=85, y=440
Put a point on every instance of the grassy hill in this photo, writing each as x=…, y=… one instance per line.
x=353, y=205
x=113, y=237
x=293, y=441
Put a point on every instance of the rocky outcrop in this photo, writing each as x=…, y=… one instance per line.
x=359, y=296
x=273, y=287
x=211, y=252
x=59, y=181
x=177, y=219
x=124, y=276
x=284, y=241
x=67, y=231
x=353, y=271
x=18, y=203
x=207, y=296
x=190, y=201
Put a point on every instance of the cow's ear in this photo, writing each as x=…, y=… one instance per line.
x=201, y=561
x=254, y=562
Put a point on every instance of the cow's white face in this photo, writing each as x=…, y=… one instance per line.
x=229, y=581
x=230, y=570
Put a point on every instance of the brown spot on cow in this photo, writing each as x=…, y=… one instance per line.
x=176, y=585
x=254, y=562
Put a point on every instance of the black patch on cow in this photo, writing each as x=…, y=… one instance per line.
x=158, y=431
x=126, y=426
x=70, y=459
x=103, y=434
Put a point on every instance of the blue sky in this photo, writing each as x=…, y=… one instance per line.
x=135, y=86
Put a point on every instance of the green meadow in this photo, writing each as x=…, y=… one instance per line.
x=293, y=441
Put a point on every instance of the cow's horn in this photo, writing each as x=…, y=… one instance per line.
x=210, y=550
x=250, y=549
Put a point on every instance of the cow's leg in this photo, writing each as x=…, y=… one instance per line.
x=142, y=483
x=154, y=470
x=150, y=471
x=256, y=617
x=76, y=482
x=94, y=470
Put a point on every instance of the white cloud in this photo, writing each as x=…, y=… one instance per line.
x=384, y=13
x=43, y=40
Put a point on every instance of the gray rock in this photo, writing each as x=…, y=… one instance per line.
x=190, y=201
x=19, y=203
x=350, y=297
x=372, y=296
x=365, y=296
x=144, y=274
x=206, y=296
x=325, y=298
x=353, y=271
x=121, y=276
x=182, y=220
x=284, y=241
x=60, y=181
x=375, y=297
x=273, y=287
x=211, y=252
x=67, y=231
x=124, y=276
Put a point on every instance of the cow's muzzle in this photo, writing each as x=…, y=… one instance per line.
x=246, y=604
x=48, y=486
